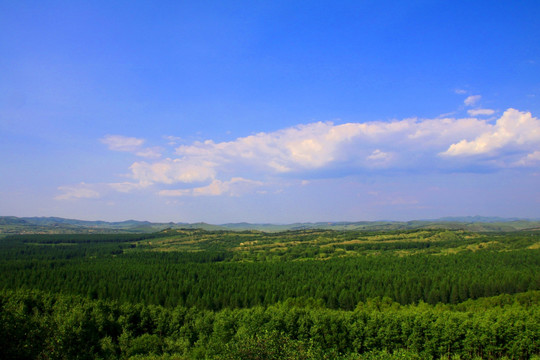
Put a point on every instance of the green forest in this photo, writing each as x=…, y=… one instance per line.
x=302, y=294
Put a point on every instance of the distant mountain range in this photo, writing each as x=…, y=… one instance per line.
x=18, y=225
x=480, y=219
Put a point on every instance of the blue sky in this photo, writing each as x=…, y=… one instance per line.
x=269, y=111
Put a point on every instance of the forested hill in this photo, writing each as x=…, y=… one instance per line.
x=312, y=294
x=56, y=225
x=226, y=269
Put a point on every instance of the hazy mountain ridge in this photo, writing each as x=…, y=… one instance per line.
x=14, y=225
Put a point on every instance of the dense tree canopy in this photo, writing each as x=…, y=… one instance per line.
x=312, y=294
x=39, y=325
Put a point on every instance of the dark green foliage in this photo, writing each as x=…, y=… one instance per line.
x=37, y=325
x=267, y=346
x=306, y=294
x=207, y=281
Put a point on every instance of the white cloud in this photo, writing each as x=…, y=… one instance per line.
x=150, y=153
x=529, y=160
x=172, y=140
x=234, y=187
x=122, y=143
x=300, y=148
x=208, y=168
x=321, y=145
x=460, y=91
x=125, y=187
x=131, y=144
x=79, y=191
x=471, y=100
x=169, y=171
x=380, y=157
x=439, y=132
x=514, y=130
x=477, y=112
x=326, y=146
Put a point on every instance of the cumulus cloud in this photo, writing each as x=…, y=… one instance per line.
x=529, y=160
x=245, y=164
x=478, y=112
x=150, y=153
x=125, y=187
x=514, y=130
x=79, y=191
x=324, y=145
x=380, y=158
x=300, y=148
x=131, y=144
x=234, y=187
x=170, y=171
x=172, y=140
x=122, y=143
x=96, y=190
x=471, y=100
